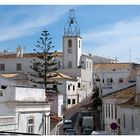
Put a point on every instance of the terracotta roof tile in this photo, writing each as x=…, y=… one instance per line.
x=123, y=93
x=64, y=76
x=111, y=66
x=8, y=75
x=26, y=55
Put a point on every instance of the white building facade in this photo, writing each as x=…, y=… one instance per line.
x=24, y=110
x=110, y=77
x=129, y=112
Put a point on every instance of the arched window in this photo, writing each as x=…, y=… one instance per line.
x=73, y=101
x=109, y=80
x=69, y=64
x=68, y=87
x=30, y=124
x=70, y=43
x=120, y=80
x=69, y=101
x=73, y=87
x=79, y=43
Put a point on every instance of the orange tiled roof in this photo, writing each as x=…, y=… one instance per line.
x=123, y=93
x=111, y=66
x=8, y=75
x=55, y=118
x=26, y=55
x=130, y=101
x=64, y=76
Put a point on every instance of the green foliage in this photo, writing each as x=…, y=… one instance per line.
x=95, y=92
x=44, y=67
x=96, y=99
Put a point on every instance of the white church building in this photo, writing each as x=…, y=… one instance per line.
x=75, y=68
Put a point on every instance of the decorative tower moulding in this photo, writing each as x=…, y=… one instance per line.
x=71, y=28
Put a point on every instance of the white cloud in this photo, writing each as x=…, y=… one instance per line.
x=116, y=40
x=9, y=29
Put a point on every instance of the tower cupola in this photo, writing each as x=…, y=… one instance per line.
x=71, y=28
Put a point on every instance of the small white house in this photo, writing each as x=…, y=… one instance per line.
x=24, y=110
x=111, y=111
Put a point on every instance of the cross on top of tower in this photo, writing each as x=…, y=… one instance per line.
x=71, y=28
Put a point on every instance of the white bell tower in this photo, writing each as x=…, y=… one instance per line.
x=72, y=43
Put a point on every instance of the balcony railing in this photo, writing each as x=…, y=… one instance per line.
x=5, y=120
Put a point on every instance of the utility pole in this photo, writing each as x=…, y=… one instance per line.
x=130, y=56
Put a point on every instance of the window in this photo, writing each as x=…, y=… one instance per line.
x=79, y=85
x=69, y=101
x=73, y=101
x=2, y=67
x=1, y=94
x=120, y=80
x=59, y=64
x=79, y=43
x=68, y=87
x=30, y=125
x=34, y=85
x=108, y=110
x=109, y=80
x=73, y=87
x=103, y=110
x=69, y=43
x=18, y=66
x=115, y=112
x=55, y=87
x=3, y=87
x=112, y=111
x=103, y=80
x=69, y=64
x=124, y=120
x=98, y=80
x=87, y=64
x=132, y=122
x=69, y=50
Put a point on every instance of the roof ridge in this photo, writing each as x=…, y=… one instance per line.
x=114, y=92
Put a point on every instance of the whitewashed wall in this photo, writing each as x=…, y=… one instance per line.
x=115, y=75
x=129, y=112
x=22, y=103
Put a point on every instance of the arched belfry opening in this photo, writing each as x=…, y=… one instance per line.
x=71, y=28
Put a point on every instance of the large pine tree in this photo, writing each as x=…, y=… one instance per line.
x=44, y=65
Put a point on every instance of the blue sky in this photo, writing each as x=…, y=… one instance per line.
x=109, y=31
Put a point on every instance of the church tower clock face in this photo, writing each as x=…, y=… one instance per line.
x=69, y=51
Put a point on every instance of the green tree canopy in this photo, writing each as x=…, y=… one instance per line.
x=44, y=66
